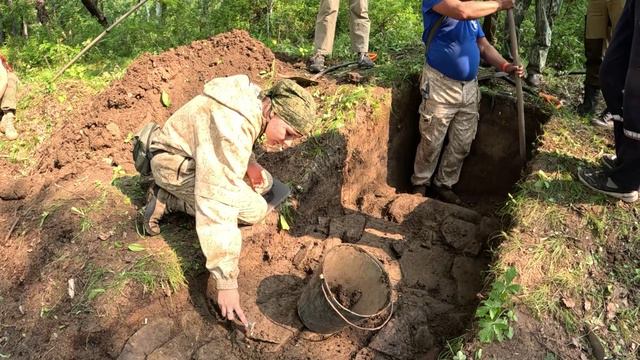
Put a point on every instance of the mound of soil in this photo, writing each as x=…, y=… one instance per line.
x=101, y=129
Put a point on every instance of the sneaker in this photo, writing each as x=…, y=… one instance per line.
x=364, y=62
x=605, y=120
x=598, y=180
x=534, y=79
x=609, y=161
x=316, y=63
x=447, y=195
x=155, y=210
x=7, y=127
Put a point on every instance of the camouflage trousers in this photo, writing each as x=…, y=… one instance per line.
x=448, y=107
x=546, y=11
x=177, y=175
x=8, y=99
x=358, y=25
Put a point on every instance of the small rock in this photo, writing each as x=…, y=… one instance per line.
x=114, y=130
x=300, y=257
x=462, y=235
x=147, y=339
x=349, y=228
x=106, y=235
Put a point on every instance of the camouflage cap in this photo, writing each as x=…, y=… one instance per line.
x=293, y=104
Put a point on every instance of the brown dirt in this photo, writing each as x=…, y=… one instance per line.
x=345, y=297
x=99, y=130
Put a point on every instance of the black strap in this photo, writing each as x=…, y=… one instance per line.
x=432, y=32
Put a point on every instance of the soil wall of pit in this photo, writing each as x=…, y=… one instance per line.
x=493, y=165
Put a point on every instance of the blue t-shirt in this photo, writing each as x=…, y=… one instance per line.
x=454, y=50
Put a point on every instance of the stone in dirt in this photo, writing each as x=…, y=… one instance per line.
x=179, y=348
x=461, y=235
x=216, y=349
x=147, y=339
x=397, y=338
x=429, y=211
x=349, y=228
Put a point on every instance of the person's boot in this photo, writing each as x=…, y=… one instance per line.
x=590, y=100
x=316, y=63
x=364, y=61
x=446, y=194
x=154, y=211
x=534, y=79
x=7, y=127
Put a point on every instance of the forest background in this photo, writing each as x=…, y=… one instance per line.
x=39, y=36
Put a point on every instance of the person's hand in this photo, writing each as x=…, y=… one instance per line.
x=506, y=4
x=254, y=172
x=511, y=68
x=229, y=303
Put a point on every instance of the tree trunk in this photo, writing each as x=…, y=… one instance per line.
x=43, y=15
x=93, y=9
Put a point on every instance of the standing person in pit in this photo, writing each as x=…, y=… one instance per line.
x=326, y=30
x=600, y=22
x=203, y=165
x=8, y=100
x=450, y=95
x=619, y=175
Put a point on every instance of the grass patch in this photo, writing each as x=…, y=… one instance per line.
x=577, y=252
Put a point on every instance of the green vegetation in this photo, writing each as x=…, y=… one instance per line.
x=495, y=313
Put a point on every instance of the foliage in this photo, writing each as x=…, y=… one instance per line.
x=396, y=28
x=495, y=313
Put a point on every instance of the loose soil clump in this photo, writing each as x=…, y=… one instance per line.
x=346, y=298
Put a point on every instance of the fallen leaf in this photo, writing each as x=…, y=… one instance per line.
x=135, y=247
x=284, y=225
x=612, y=308
x=71, y=288
x=569, y=302
x=164, y=98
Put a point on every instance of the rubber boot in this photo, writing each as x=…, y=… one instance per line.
x=590, y=100
x=7, y=127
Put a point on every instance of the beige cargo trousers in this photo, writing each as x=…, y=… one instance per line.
x=326, y=26
x=448, y=107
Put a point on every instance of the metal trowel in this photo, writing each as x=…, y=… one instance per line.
x=278, y=193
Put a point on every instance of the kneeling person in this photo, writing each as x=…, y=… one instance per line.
x=450, y=94
x=202, y=159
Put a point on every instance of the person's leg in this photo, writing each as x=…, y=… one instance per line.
x=462, y=131
x=326, y=26
x=613, y=70
x=627, y=174
x=435, y=116
x=546, y=11
x=519, y=11
x=596, y=30
x=359, y=25
x=174, y=178
x=8, y=105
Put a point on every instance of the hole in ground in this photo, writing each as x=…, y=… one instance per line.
x=493, y=165
x=443, y=258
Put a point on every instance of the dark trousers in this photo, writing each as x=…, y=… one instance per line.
x=620, y=80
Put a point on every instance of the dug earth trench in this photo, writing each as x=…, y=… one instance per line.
x=77, y=224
